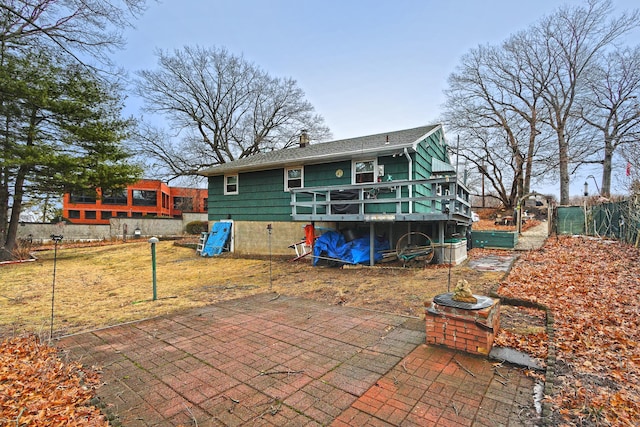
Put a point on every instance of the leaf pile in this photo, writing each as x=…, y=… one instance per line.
x=488, y=224
x=37, y=388
x=592, y=287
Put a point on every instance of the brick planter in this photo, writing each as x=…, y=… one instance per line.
x=467, y=329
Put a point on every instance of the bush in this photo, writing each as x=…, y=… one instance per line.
x=197, y=227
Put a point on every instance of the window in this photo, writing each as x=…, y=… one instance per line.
x=364, y=171
x=105, y=215
x=183, y=203
x=136, y=215
x=121, y=214
x=293, y=178
x=165, y=201
x=231, y=184
x=89, y=214
x=144, y=198
x=74, y=214
x=114, y=197
x=83, y=197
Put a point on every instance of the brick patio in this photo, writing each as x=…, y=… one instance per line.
x=283, y=361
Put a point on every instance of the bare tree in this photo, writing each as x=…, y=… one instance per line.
x=494, y=100
x=222, y=108
x=532, y=88
x=84, y=28
x=612, y=106
x=569, y=43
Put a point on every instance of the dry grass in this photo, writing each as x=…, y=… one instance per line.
x=106, y=285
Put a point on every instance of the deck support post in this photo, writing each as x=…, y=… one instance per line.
x=372, y=238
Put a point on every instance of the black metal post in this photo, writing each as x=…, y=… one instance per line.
x=56, y=238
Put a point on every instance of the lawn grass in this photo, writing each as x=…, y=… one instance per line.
x=106, y=285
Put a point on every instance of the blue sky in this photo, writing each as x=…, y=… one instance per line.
x=366, y=66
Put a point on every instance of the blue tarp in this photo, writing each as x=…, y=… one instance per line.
x=217, y=239
x=333, y=245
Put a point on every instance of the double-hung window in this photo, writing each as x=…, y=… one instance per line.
x=364, y=171
x=231, y=184
x=293, y=178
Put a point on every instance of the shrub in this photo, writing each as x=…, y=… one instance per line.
x=197, y=227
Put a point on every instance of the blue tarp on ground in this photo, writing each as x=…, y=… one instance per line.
x=217, y=239
x=333, y=245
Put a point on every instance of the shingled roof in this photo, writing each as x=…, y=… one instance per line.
x=379, y=144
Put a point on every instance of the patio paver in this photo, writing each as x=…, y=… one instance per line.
x=283, y=361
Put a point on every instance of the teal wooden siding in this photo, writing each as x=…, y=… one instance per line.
x=325, y=174
x=430, y=148
x=395, y=168
x=261, y=197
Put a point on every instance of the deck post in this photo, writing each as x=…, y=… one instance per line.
x=372, y=238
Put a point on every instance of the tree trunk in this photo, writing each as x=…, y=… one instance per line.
x=563, y=165
x=4, y=208
x=528, y=169
x=606, y=167
x=18, y=189
x=14, y=221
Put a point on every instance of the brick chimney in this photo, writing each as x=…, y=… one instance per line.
x=304, y=138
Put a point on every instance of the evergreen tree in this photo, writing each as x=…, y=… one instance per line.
x=61, y=130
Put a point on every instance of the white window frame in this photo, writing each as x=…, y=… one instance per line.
x=226, y=184
x=286, y=177
x=354, y=172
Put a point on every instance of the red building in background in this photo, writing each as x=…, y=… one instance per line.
x=146, y=197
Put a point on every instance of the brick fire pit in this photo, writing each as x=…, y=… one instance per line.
x=463, y=326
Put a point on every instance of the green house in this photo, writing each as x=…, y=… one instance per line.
x=388, y=184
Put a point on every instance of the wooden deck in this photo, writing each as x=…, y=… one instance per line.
x=437, y=199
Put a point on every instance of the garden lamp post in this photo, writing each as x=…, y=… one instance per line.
x=586, y=185
x=153, y=242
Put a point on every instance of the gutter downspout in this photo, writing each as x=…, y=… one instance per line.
x=406, y=154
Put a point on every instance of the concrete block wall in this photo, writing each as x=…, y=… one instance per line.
x=41, y=232
x=160, y=227
x=252, y=237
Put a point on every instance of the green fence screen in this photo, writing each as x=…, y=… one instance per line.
x=570, y=220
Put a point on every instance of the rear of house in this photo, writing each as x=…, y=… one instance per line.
x=382, y=186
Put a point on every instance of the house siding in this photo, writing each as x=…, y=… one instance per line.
x=429, y=148
x=325, y=174
x=261, y=197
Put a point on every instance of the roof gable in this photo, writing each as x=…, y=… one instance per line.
x=379, y=144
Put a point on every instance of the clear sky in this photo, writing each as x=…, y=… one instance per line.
x=367, y=66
